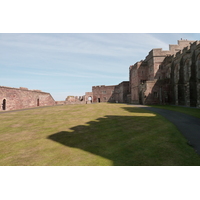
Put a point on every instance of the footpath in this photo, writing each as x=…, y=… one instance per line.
x=188, y=125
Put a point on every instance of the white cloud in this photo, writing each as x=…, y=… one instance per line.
x=92, y=44
x=87, y=75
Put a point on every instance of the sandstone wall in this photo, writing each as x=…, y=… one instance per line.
x=168, y=77
x=19, y=98
x=103, y=93
x=113, y=93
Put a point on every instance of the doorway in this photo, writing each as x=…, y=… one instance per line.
x=90, y=99
x=99, y=100
x=4, y=105
x=38, y=102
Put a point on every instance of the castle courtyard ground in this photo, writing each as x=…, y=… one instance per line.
x=188, y=125
x=101, y=134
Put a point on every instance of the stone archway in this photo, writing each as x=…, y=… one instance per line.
x=90, y=99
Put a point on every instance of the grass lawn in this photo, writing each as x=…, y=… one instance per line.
x=91, y=134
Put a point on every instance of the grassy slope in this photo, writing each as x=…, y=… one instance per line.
x=95, y=134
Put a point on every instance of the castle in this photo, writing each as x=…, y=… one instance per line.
x=163, y=77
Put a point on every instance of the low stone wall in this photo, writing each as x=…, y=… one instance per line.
x=60, y=102
x=69, y=102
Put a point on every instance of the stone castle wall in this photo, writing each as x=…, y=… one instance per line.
x=168, y=77
x=112, y=93
x=103, y=93
x=19, y=98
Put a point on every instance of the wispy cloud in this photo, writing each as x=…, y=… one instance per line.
x=92, y=44
x=74, y=61
x=87, y=75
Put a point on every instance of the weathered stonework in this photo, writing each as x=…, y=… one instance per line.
x=121, y=91
x=112, y=93
x=168, y=77
x=19, y=98
x=103, y=93
x=88, y=97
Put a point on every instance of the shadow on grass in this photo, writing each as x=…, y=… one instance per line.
x=126, y=140
x=107, y=137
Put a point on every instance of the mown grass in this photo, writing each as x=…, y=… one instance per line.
x=91, y=134
x=187, y=110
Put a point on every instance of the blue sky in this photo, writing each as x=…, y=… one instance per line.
x=71, y=63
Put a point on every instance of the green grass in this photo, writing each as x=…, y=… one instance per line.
x=187, y=110
x=91, y=134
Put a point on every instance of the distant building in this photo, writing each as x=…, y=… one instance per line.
x=112, y=93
